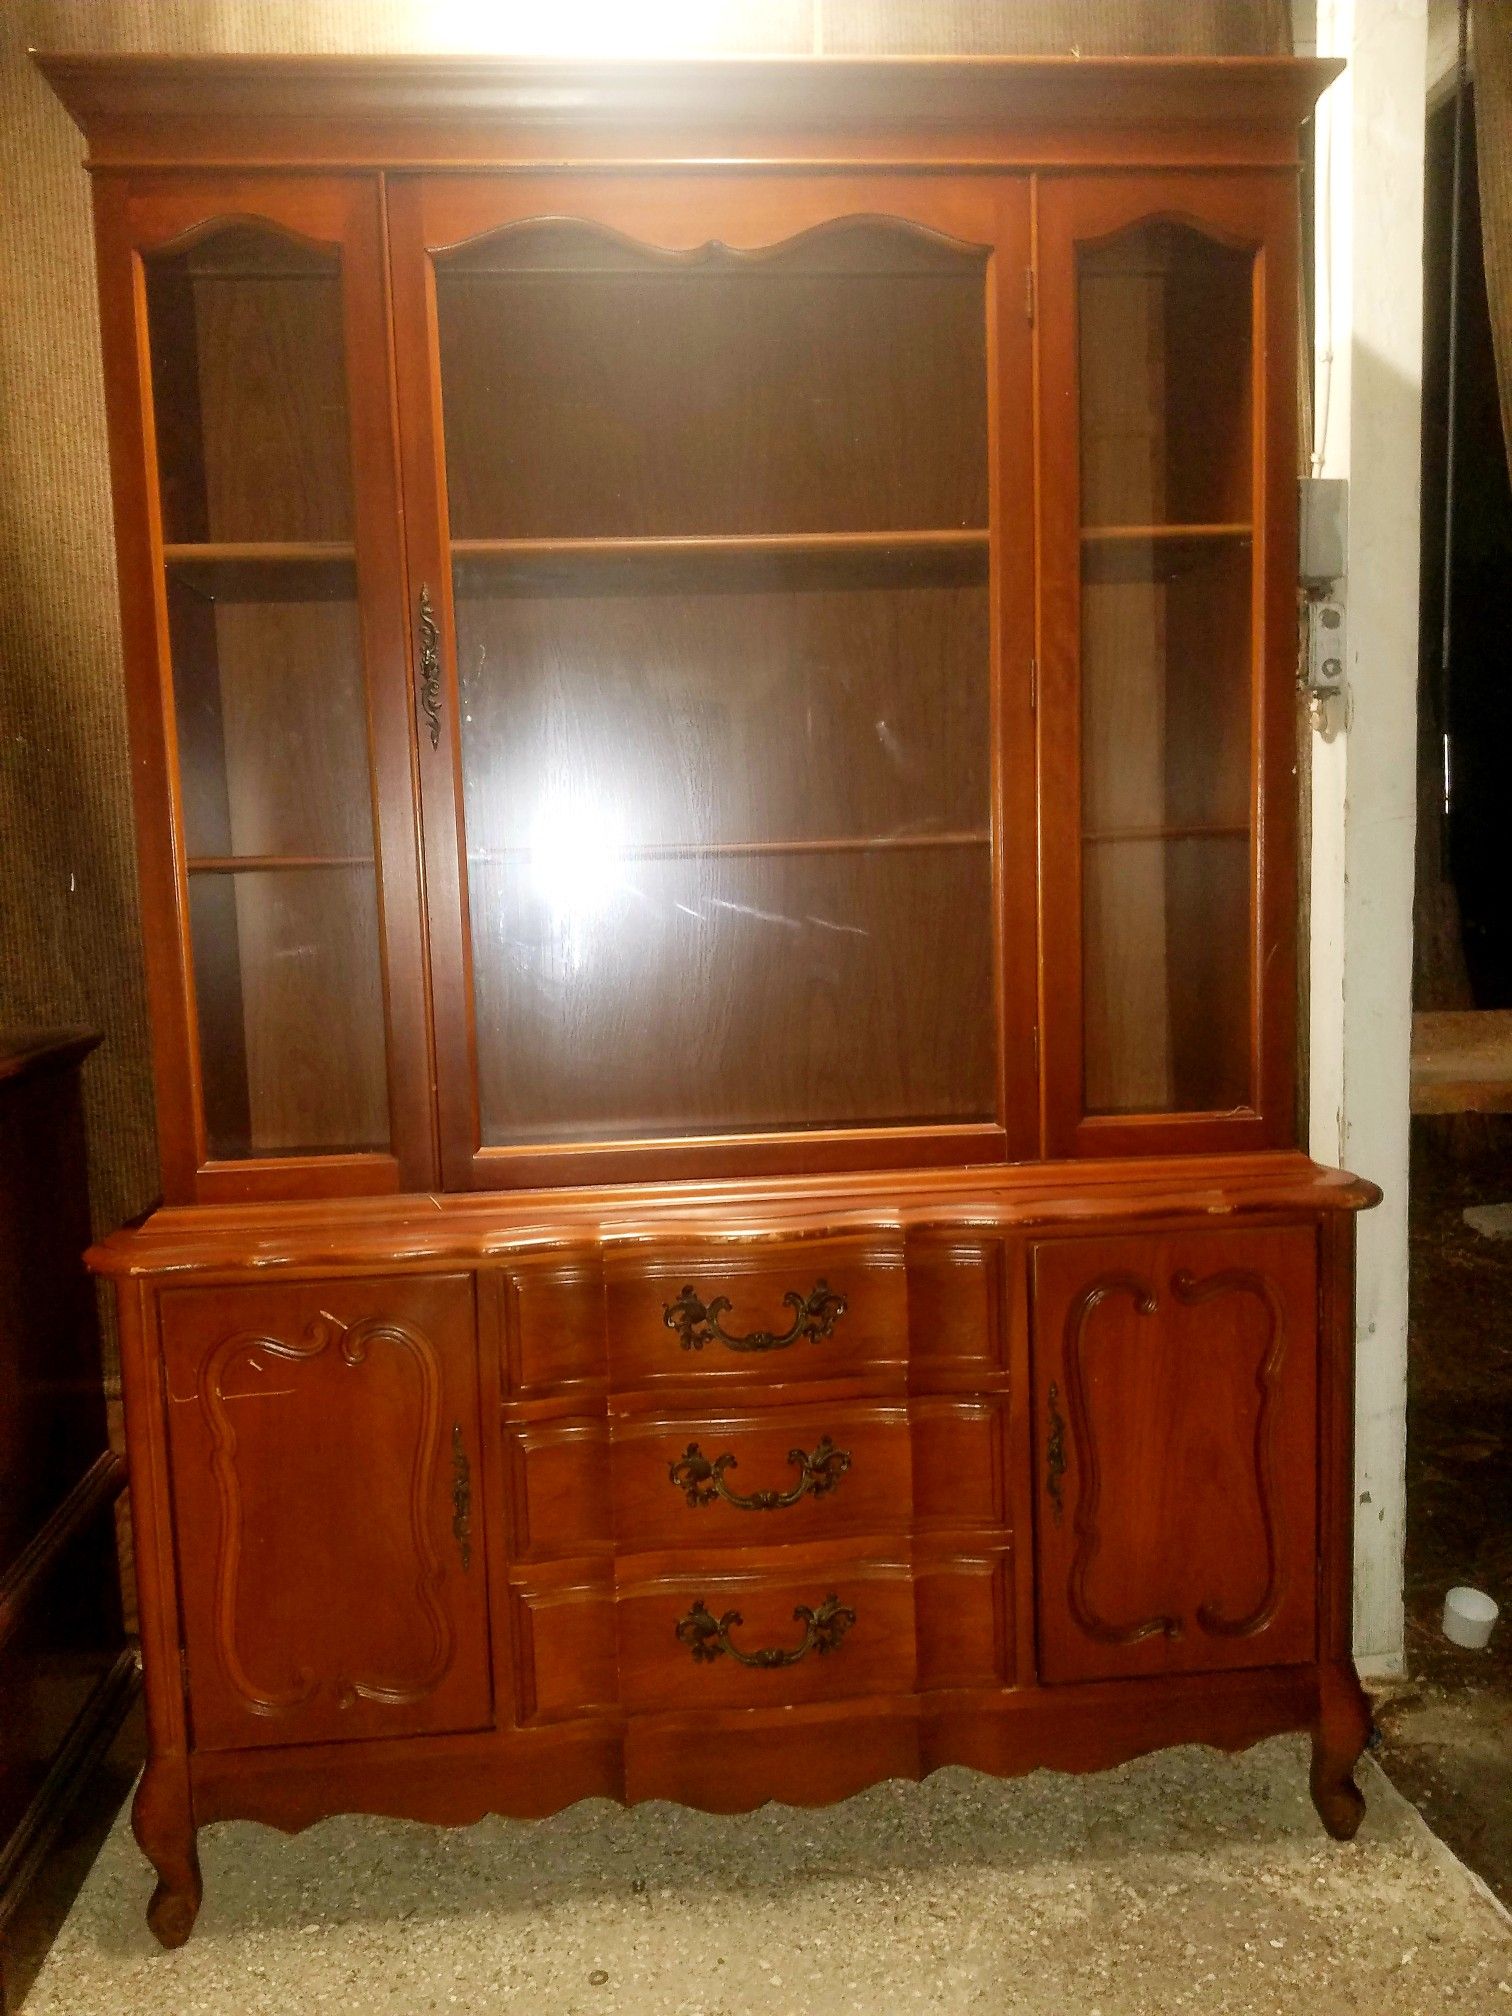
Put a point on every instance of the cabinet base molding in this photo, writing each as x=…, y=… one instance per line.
x=800, y=1757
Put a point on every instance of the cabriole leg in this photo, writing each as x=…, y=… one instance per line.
x=1339, y=1736
x=162, y=1818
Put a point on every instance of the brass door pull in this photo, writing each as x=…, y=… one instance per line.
x=708, y=1637
x=701, y=1480
x=1055, y=1452
x=697, y=1322
x=461, y=1498
x=430, y=668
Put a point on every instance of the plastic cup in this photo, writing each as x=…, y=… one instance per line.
x=1469, y=1615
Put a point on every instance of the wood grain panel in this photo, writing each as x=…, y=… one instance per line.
x=964, y=1606
x=552, y=1322
x=593, y=386
x=318, y=1431
x=310, y=1004
x=958, y=1309
x=960, y=1462
x=558, y=1474
x=250, y=367
x=562, y=1619
x=1176, y=1451
x=679, y=716
x=721, y=994
x=763, y=1283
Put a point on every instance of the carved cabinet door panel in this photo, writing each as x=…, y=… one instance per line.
x=1175, y=1445
x=325, y=1452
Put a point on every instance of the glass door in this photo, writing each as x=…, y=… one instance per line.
x=278, y=620
x=711, y=482
x=1166, y=782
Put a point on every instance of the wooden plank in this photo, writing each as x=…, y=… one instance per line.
x=1462, y=1061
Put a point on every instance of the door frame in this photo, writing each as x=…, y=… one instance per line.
x=678, y=211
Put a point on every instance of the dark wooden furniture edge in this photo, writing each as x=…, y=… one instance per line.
x=27, y=1050
x=409, y=110
x=40, y=1875
x=102, y=1483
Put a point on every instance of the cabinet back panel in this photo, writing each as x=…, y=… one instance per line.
x=652, y=997
x=686, y=718
x=287, y=978
x=593, y=387
x=249, y=389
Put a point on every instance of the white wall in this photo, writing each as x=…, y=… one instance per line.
x=1369, y=378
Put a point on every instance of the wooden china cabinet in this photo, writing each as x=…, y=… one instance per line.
x=710, y=652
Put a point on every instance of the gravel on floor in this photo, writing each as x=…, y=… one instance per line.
x=1186, y=1881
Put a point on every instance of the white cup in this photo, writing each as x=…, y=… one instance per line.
x=1468, y=1617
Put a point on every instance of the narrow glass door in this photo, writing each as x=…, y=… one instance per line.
x=269, y=683
x=718, y=524
x=1167, y=793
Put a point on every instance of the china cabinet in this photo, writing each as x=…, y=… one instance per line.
x=710, y=651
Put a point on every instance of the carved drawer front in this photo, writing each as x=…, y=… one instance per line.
x=960, y=1475
x=964, y=1599
x=1175, y=1381
x=557, y=1476
x=550, y=1315
x=958, y=1309
x=324, y=1444
x=835, y=1625
x=562, y=1628
x=752, y=1479
x=800, y=1309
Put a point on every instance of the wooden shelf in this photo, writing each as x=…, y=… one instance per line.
x=1120, y=833
x=269, y=570
x=241, y=864
x=680, y=850
x=946, y=557
x=1106, y=534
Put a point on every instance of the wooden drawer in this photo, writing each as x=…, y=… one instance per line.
x=750, y=1479
x=562, y=1628
x=833, y=1626
x=816, y=1471
x=769, y=1310
x=960, y=1462
x=960, y=1306
x=963, y=1596
x=550, y=1315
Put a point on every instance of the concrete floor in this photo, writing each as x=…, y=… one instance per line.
x=1187, y=1881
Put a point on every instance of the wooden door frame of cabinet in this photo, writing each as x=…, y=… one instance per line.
x=1249, y=210
x=136, y=214
x=745, y=211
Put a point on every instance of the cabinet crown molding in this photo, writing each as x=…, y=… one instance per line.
x=436, y=110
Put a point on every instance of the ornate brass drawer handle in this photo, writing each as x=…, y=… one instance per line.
x=708, y=1637
x=702, y=1481
x=1055, y=1453
x=697, y=1322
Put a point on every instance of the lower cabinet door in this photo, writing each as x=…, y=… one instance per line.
x=324, y=1441
x=1175, y=1444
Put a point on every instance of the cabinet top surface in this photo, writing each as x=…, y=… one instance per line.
x=419, y=1230
x=438, y=109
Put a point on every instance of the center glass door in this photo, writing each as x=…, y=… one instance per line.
x=721, y=579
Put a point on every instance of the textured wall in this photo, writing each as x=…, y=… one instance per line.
x=1493, y=133
x=69, y=933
